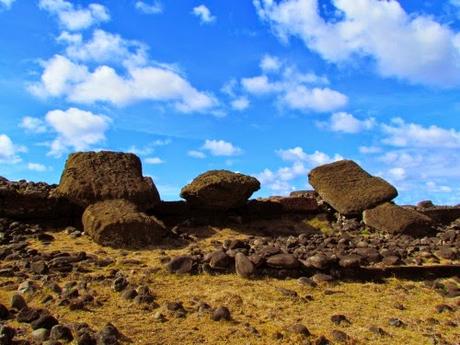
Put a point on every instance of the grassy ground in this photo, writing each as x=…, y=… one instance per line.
x=254, y=304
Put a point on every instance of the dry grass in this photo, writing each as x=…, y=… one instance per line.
x=252, y=302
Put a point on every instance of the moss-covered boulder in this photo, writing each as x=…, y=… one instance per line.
x=119, y=224
x=348, y=188
x=220, y=190
x=395, y=219
x=89, y=177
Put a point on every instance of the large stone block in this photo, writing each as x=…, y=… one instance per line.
x=89, y=177
x=394, y=219
x=220, y=190
x=348, y=188
x=118, y=223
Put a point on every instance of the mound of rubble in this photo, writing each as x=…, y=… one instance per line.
x=349, y=221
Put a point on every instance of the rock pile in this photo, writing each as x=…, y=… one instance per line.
x=111, y=187
x=351, y=191
x=308, y=254
x=25, y=200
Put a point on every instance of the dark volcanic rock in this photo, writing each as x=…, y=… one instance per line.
x=119, y=224
x=348, y=188
x=220, y=260
x=394, y=219
x=221, y=314
x=243, y=266
x=34, y=200
x=180, y=264
x=89, y=177
x=441, y=214
x=286, y=261
x=220, y=190
x=44, y=321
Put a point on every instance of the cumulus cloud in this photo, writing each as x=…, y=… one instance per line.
x=204, y=14
x=9, y=151
x=196, y=154
x=221, y=148
x=154, y=8
x=296, y=90
x=33, y=124
x=369, y=149
x=402, y=134
x=413, y=47
x=76, y=129
x=73, y=17
x=154, y=160
x=6, y=3
x=104, y=47
x=240, y=103
x=270, y=63
x=63, y=77
x=36, y=167
x=347, y=123
x=280, y=181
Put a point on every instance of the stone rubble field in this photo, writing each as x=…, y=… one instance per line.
x=101, y=259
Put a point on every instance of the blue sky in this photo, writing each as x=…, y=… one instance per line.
x=264, y=87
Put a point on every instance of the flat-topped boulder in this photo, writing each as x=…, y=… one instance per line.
x=89, y=177
x=119, y=224
x=348, y=188
x=394, y=219
x=220, y=190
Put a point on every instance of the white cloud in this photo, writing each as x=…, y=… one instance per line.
x=204, y=14
x=104, y=47
x=413, y=47
x=293, y=88
x=6, y=3
x=149, y=148
x=347, y=123
x=62, y=77
x=221, y=148
x=397, y=173
x=196, y=154
x=75, y=18
x=154, y=8
x=402, y=134
x=9, y=151
x=297, y=154
x=33, y=124
x=36, y=167
x=316, y=99
x=258, y=85
x=76, y=129
x=240, y=103
x=154, y=160
x=369, y=149
x=280, y=181
x=270, y=63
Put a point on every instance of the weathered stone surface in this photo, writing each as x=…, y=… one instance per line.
x=243, y=266
x=33, y=200
x=348, y=188
x=295, y=204
x=119, y=224
x=180, y=264
x=89, y=177
x=220, y=190
x=441, y=214
x=287, y=261
x=394, y=219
